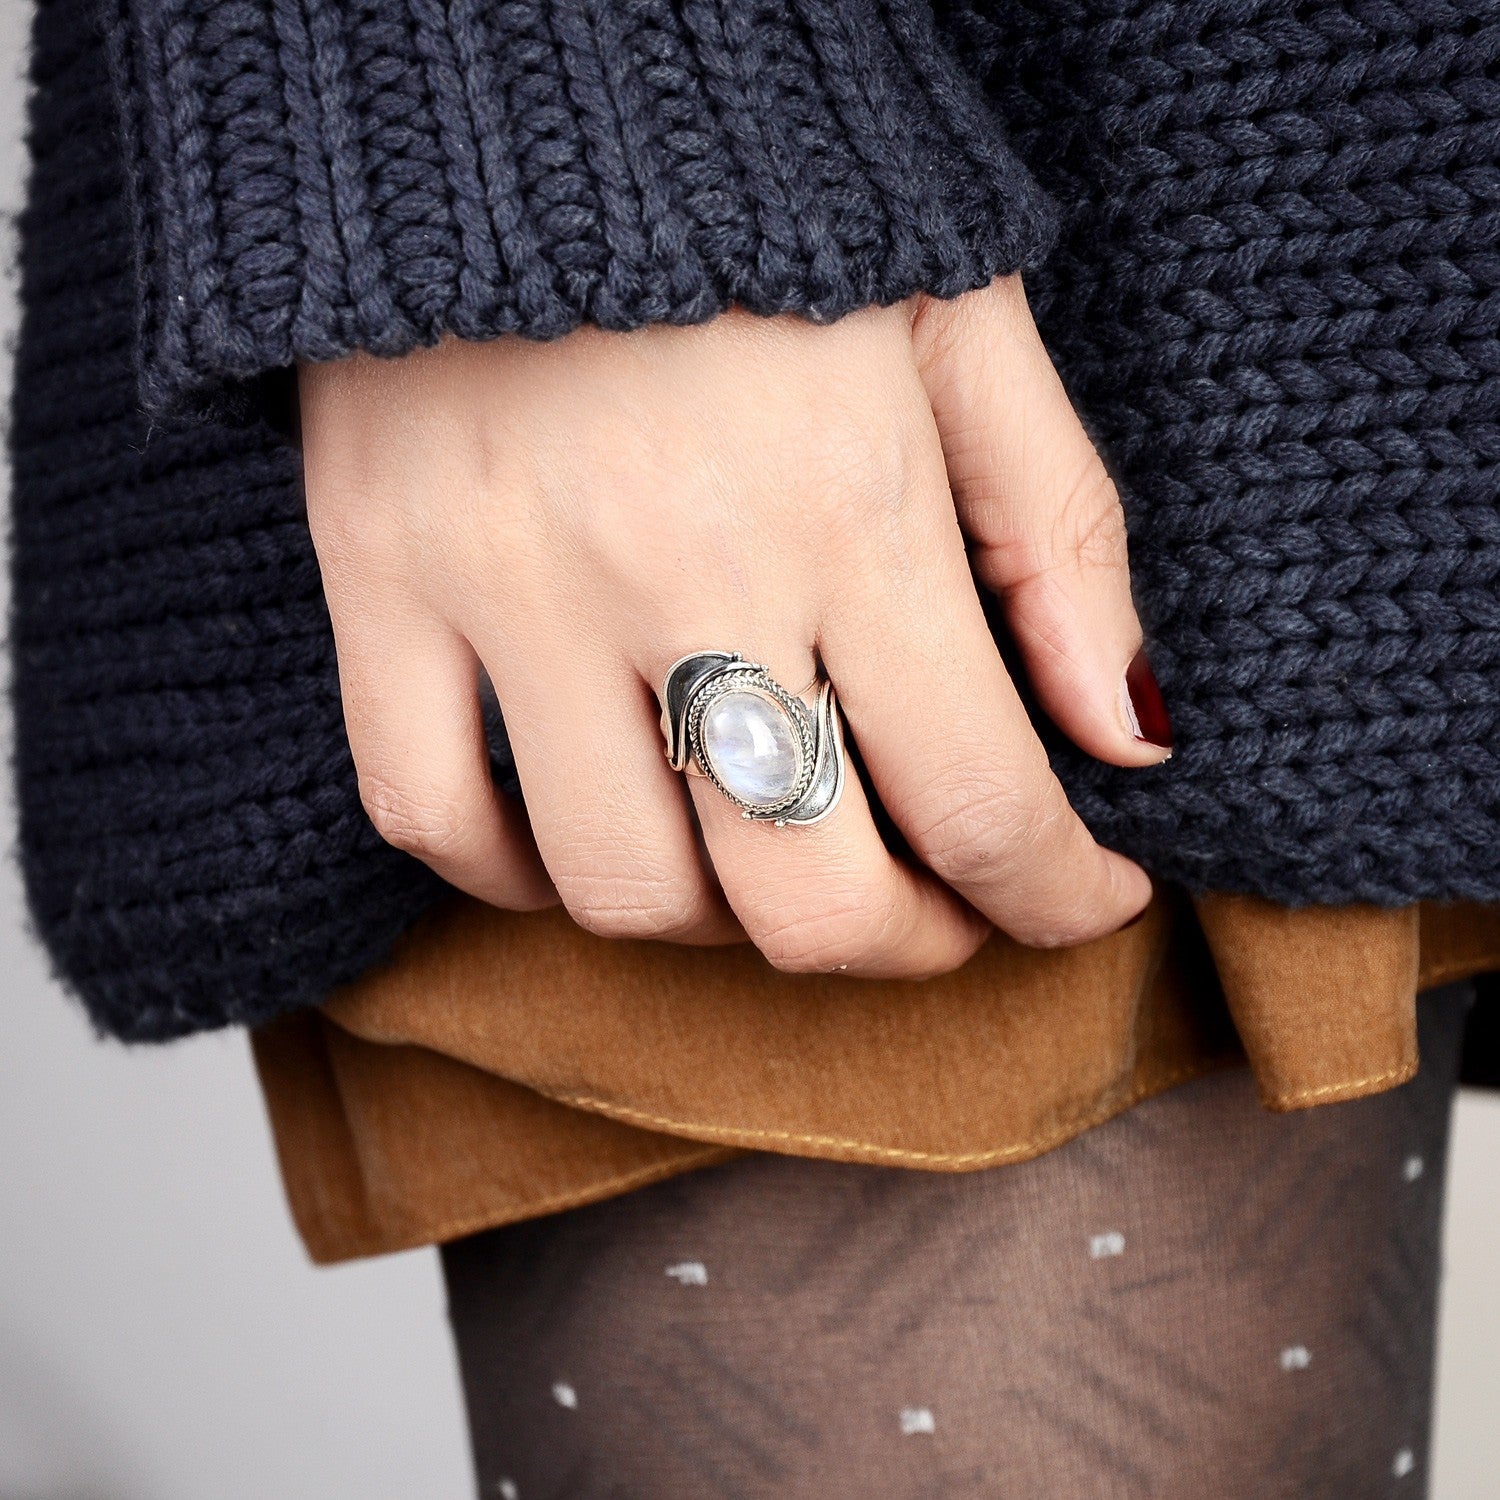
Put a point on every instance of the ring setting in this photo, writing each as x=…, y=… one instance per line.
x=774, y=755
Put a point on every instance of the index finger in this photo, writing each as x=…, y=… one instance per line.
x=953, y=754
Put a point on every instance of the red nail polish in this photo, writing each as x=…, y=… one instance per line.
x=1149, y=721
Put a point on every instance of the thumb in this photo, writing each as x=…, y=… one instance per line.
x=1043, y=519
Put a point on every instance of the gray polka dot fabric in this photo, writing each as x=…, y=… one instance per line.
x=1199, y=1298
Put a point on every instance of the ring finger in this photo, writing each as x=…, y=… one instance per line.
x=829, y=896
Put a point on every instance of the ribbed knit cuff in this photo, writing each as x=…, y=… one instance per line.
x=313, y=177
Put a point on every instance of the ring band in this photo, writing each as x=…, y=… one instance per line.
x=775, y=756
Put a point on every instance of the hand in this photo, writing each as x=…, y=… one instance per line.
x=572, y=517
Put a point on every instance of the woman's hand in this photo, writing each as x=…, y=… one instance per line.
x=573, y=517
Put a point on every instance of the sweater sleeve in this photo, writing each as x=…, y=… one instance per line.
x=315, y=177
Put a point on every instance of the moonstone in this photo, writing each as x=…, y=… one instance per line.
x=754, y=751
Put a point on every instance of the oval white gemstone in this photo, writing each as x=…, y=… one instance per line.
x=754, y=750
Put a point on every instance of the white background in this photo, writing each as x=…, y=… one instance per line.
x=162, y=1336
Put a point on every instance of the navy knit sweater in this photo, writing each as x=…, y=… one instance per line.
x=1261, y=238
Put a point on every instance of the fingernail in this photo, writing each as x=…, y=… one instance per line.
x=1145, y=712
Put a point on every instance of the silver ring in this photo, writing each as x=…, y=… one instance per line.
x=774, y=755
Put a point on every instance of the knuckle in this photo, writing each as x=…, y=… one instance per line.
x=1082, y=529
x=338, y=537
x=979, y=833
x=418, y=820
x=360, y=541
x=867, y=463
x=1089, y=523
x=845, y=931
x=631, y=906
x=986, y=838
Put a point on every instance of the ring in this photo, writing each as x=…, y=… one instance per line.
x=771, y=753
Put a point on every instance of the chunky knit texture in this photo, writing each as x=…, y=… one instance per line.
x=1277, y=302
x=322, y=177
x=193, y=848
x=1276, y=299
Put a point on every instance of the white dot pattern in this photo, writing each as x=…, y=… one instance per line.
x=1111, y=1242
x=822, y=1310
